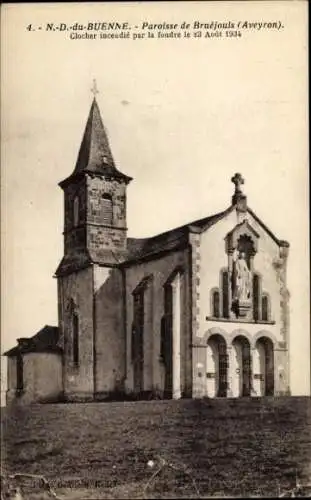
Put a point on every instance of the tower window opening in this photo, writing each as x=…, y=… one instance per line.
x=107, y=209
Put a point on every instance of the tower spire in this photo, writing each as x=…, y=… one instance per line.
x=95, y=156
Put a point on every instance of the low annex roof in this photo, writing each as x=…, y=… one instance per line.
x=45, y=340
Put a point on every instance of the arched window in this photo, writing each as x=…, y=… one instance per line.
x=75, y=339
x=265, y=308
x=138, y=340
x=225, y=294
x=215, y=304
x=138, y=326
x=76, y=211
x=256, y=296
x=107, y=209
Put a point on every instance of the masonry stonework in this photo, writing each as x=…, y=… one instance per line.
x=109, y=324
x=76, y=296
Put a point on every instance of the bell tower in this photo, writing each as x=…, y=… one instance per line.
x=95, y=202
x=95, y=241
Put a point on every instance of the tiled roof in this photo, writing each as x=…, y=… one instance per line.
x=85, y=257
x=141, y=248
x=43, y=341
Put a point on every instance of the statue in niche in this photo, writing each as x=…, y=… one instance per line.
x=243, y=279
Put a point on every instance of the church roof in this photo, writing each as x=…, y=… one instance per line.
x=95, y=154
x=141, y=248
x=43, y=341
x=282, y=243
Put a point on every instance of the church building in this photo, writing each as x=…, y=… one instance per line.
x=201, y=310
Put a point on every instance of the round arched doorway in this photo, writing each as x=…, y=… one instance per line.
x=241, y=367
x=264, y=367
x=216, y=366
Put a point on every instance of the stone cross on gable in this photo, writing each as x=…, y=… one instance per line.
x=237, y=180
x=94, y=89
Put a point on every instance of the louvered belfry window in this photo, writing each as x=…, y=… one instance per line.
x=107, y=208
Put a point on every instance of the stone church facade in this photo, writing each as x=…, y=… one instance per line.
x=198, y=311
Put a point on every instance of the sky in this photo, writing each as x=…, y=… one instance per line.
x=182, y=115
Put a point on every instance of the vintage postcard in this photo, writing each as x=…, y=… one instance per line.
x=155, y=338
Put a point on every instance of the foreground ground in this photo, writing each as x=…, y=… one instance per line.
x=161, y=449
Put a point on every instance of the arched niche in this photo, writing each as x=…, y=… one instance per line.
x=242, y=238
x=241, y=247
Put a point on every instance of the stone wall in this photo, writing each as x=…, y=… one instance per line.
x=92, y=233
x=109, y=330
x=160, y=271
x=210, y=257
x=11, y=371
x=101, y=238
x=96, y=188
x=42, y=378
x=76, y=297
x=75, y=238
x=11, y=379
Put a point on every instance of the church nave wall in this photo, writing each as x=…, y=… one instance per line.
x=157, y=274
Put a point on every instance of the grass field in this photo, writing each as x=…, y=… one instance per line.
x=246, y=447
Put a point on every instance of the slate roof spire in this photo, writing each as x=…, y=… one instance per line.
x=95, y=155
